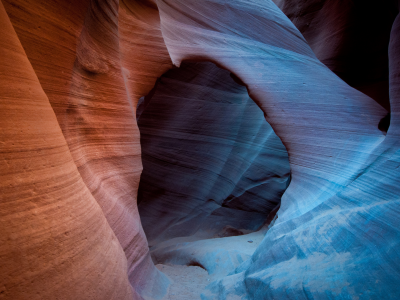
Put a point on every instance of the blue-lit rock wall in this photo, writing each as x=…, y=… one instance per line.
x=337, y=231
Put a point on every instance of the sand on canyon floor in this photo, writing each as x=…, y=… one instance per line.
x=188, y=282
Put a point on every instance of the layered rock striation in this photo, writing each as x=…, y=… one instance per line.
x=75, y=50
x=331, y=133
x=71, y=75
x=55, y=242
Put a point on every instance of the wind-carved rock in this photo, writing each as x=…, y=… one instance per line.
x=76, y=55
x=71, y=74
x=55, y=242
x=331, y=133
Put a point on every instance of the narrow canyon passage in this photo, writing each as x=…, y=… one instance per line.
x=213, y=149
x=213, y=170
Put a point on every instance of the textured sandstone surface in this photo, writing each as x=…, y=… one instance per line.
x=144, y=56
x=334, y=145
x=53, y=232
x=324, y=73
x=77, y=58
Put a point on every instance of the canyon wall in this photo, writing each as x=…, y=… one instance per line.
x=334, y=205
x=75, y=51
x=55, y=242
x=324, y=76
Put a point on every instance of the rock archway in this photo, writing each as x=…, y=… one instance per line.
x=71, y=73
x=335, y=151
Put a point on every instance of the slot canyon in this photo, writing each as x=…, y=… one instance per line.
x=199, y=149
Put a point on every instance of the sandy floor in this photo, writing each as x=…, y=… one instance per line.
x=188, y=282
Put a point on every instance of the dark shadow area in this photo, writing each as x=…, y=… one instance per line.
x=384, y=124
x=212, y=165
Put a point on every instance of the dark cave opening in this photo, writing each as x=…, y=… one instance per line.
x=212, y=166
x=384, y=123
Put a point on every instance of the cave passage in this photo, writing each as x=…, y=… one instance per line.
x=213, y=169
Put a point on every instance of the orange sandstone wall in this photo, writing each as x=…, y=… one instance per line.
x=55, y=242
x=144, y=56
x=76, y=50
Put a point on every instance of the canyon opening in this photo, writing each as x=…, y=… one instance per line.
x=213, y=174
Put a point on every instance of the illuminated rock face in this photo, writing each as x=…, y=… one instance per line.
x=338, y=206
x=77, y=52
x=71, y=74
x=55, y=242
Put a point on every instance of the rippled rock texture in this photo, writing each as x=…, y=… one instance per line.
x=76, y=50
x=324, y=74
x=338, y=206
x=55, y=242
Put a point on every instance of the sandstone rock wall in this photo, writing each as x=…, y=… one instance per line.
x=55, y=242
x=71, y=73
x=331, y=212
x=75, y=50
